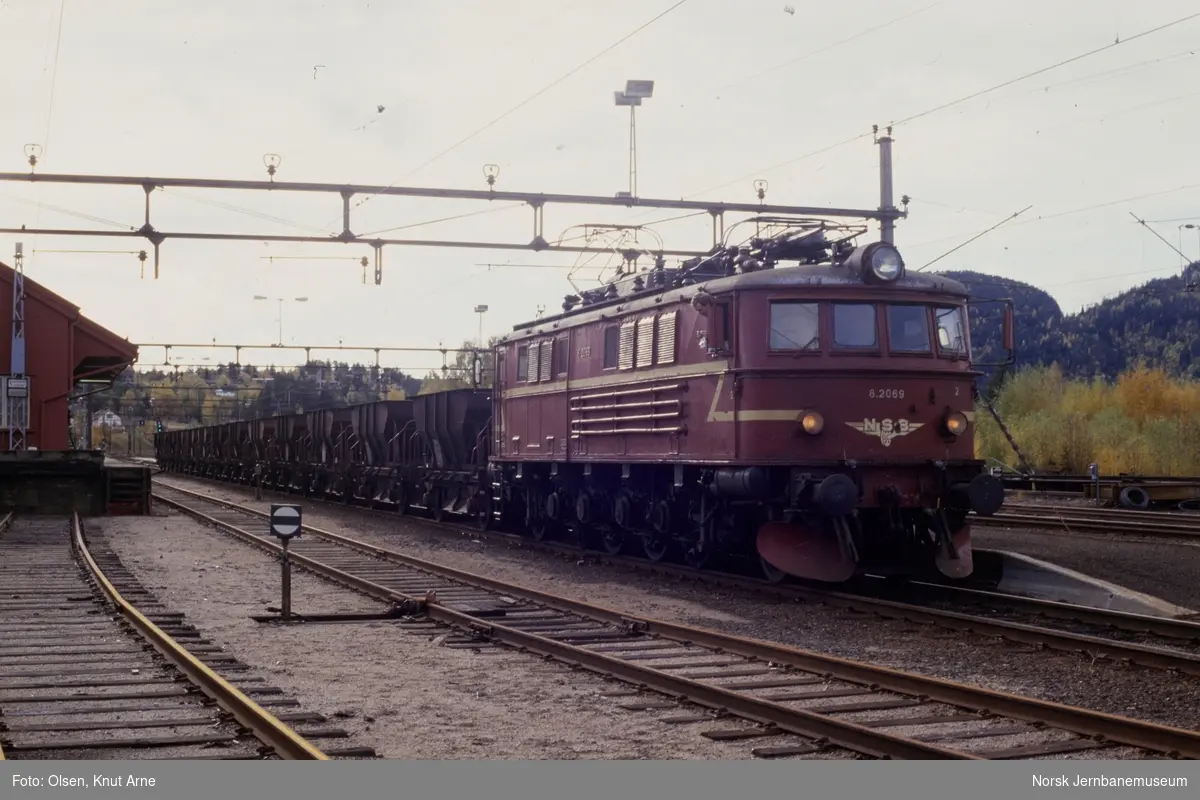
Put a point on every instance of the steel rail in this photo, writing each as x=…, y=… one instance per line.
x=871, y=599
x=286, y=742
x=1091, y=524
x=1094, y=646
x=1136, y=733
x=804, y=723
x=1173, y=517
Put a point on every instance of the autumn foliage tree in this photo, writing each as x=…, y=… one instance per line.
x=1146, y=422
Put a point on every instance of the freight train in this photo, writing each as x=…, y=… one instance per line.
x=800, y=401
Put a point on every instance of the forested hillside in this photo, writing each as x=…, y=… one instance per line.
x=1157, y=325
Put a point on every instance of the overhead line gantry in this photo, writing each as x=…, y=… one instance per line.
x=886, y=214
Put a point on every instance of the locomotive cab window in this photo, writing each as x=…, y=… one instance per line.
x=523, y=363
x=720, y=333
x=951, y=332
x=794, y=326
x=908, y=329
x=854, y=326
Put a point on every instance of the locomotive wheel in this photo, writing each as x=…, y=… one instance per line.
x=656, y=548
x=697, y=559
x=612, y=541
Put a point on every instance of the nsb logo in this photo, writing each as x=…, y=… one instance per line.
x=885, y=429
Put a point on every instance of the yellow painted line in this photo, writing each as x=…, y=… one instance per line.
x=287, y=743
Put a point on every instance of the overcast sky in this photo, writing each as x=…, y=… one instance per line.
x=743, y=90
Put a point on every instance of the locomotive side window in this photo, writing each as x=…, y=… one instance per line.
x=794, y=326
x=951, y=333
x=612, y=346
x=854, y=325
x=560, y=356
x=908, y=329
x=720, y=335
x=523, y=363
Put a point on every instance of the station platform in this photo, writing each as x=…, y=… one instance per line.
x=38, y=482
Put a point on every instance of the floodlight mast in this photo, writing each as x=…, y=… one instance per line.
x=635, y=92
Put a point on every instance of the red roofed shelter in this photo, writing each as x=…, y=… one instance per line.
x=62, y=349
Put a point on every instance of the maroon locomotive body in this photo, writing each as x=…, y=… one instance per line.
x=818, y=417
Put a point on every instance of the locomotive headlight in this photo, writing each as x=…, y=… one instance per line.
x=955, y=423
x=812, y=422
x=877, y=262
x=885, y=262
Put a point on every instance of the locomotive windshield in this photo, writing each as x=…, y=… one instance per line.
x=854, y=325
x=908, y=329
x=795, y=326
x=951, y=333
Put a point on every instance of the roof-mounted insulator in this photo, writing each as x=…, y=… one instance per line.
x=271, y=162
x=491, y=172
x=760, y=189
x=32, y=151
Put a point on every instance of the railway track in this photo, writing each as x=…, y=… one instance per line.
x=1150, y=641
x=84, y=674
x=1180, y=526
x=751, y=690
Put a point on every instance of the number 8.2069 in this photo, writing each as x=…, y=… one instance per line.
x=886, y=394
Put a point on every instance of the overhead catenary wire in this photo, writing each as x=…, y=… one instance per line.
x=952, y=103
x=976, y=236
x=1160, y=236
x=62, y=8
x=464, y=215
x=1071, y=212
x=836, y=44
x=526, y=101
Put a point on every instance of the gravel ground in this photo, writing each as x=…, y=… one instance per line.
x=1059, y=677
x=397, y=691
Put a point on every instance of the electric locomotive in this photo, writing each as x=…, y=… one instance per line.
x=798, y=400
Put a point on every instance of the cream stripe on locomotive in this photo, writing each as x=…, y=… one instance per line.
x=659, y=373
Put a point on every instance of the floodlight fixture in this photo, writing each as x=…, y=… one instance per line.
x=481, y=309
x=623, y=99
x=639, y=89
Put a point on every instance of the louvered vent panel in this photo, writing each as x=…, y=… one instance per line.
x=645, y=342
x=547, y=371
x=628, y=336
x=534, y=362
x=666, y=338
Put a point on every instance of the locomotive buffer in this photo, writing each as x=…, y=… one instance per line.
x=285, y=526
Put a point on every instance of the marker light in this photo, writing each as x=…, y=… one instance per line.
x=812, y=422
x=956, y=423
